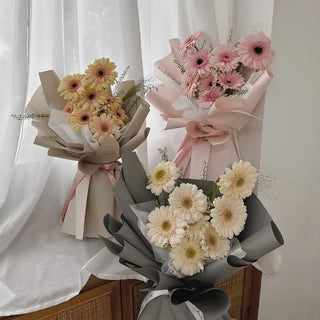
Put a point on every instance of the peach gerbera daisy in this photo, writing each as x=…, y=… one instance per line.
x=102, y=127
x=91, y=98
x=101, y=73
x=71, y=86
x=80, y=118
x=68, y=107
x=119, y=115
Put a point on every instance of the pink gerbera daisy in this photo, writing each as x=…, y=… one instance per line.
x=198, y=62
x=231, y=80
x=225, y=58
x=213, y=95
x=255, y=52
x=207, y=84
x=189, y=84
x=189, y=42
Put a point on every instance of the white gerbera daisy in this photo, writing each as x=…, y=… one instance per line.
x=188, y=202
x=195, y=230
x=188, y=257
x=164, y=228
x=228, y=216
x=238, y=182
x=163, y=177
x=213, y=245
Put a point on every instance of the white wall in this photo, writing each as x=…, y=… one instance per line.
x=291, y=148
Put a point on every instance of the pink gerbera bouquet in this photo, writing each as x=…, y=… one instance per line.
x=211, y=72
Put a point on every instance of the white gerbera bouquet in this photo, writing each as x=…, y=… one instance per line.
x=193, y=226
x=187, y=235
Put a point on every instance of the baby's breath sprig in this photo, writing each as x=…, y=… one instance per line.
x=30, y=116
x=230, y=36
x=204, y=170
x=121, y=78
x=176, y=61
x=164, y=153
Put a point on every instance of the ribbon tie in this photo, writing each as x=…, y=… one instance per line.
x=107, y=168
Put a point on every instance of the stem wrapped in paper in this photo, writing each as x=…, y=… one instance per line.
x=194, y=297
x=91, y=194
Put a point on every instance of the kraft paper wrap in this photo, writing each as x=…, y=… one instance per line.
x=185, y=298
x=216, y=135
x=93, y=197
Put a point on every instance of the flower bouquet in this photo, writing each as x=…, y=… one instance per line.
x=213, y=93
x=81, y=118
x=187, y=235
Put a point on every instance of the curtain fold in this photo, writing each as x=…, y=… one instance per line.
x=67, y=35
x=14, y=74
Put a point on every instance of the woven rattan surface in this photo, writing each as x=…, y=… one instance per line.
x=233, y=287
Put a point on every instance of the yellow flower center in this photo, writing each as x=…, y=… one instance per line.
x=212, y=240
x=160, y=174
x=190, y=253
x=227, y=215
x=240, y=182
x=187, y=203
x=166, y=225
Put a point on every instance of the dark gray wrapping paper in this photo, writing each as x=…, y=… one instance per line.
x=259, y=237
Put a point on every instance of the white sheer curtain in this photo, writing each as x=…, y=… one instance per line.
x=40, y=266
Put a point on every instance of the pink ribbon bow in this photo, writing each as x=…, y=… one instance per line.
x=107, y=168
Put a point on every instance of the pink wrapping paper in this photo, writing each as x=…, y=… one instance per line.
x=216, y=136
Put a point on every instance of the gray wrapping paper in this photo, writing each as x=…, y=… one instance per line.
x=259, y=237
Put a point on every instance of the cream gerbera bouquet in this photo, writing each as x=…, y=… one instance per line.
x=192, y=226
x=187, y=235
x=93, y=118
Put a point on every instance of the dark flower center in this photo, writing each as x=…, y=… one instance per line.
x=85, y=118
x=104, y=127
x=228, y=81
x=91, y=96
x=118, y=114
x=258, y=50
x=210, y=84
x=225, y=57
x=199, y=61
x=74, y=85
x=100, y=73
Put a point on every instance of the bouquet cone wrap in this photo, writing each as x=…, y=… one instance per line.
x=90, y=195
x=194, y=297
x=216, y=135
